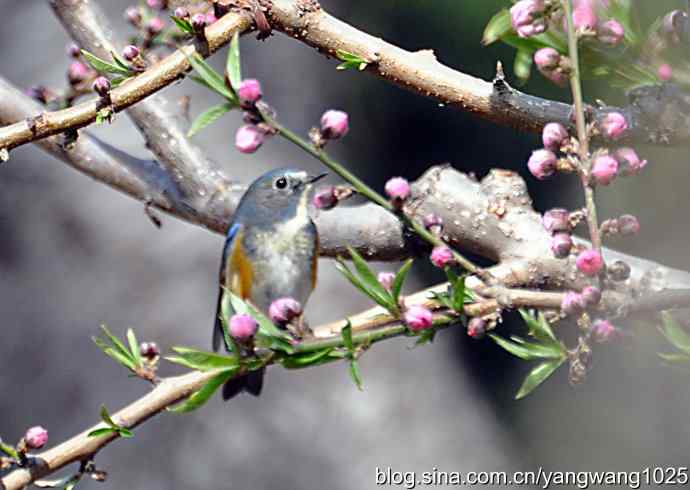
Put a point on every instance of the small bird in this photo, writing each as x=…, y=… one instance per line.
x=270, y=252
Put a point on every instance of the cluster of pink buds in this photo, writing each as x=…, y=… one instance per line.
x=575, y=303
x=252, y=135
x=284, y=310
x=528, y=17
x=544, y=162
x=78, y=72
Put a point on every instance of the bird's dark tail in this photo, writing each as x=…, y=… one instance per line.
x=253, y=381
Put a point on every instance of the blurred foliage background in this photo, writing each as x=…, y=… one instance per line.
x=74, y=254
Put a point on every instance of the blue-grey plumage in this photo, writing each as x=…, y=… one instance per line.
x=270, y=251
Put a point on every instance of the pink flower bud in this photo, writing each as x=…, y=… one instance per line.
x=198, y=22
x=418, y=318
x=604, y=169
x=573, y=303
x=561, y=244
x=547, y=59
x=397, y=188
x=284, y=310
x=210, y=18
x=603, y=331
x=628, y=225
x=526, y=19
x=248, y=139
x=476, y=327
x=555, y=220
x=334, y=124
x=630, y=162
x=155, y=25
x=553, y=136
x=157, y=4
x=130, y=52
x=589, y=262
x=101, y=86
x=441, y=256
x=249, y=92
x=36, y=437
x=133, y=15
x=611, y=32
x=614, y=125
x=591, y=296
x=73, y=50
x=149, y=350
x=181, y=13
x=665, y=72
x=386, y=279
x=242, y=326
x=77, y=72
x=432, y=221
x=542, y=163
x=325, y=198
x=584, y=16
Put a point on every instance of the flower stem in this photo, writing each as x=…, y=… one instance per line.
x=582, y=136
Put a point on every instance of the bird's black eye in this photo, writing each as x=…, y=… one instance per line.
x=281, y=183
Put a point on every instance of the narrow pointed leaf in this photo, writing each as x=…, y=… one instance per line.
x=346, y=333
x=117, y=343
x=103, y=66
x=201, y=360
x=537, y=376
x=106, y=417
x=527, y=351
x=134, y=346
x=208, y=117
x=674, y=333
x=377, y=292
x=498, y=26
x=102, y=431
x=399, y=280
x=200, y=397
x=120, y=358
x=356, y=375
x=522, y=65
x=210, y=77
x=120, y=62
x=233, y=66
x=538, y=327
x=126, y=433
x=183, y=25
x=297, y=361
x=675, y=358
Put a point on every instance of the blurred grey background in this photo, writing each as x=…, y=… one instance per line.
x=75, y=254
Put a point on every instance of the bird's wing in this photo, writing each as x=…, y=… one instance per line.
x=235, y=275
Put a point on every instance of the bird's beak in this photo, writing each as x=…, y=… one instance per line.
x=313, y=178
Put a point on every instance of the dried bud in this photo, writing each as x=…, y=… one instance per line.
x=334, y=124
x=526, y=17
x=628, y=225
x=542, y=163
x=130, y=53
x=561, y=244
x=325, y=198
x=573, y=304
x=38, y=92
x=198, y=22
x=665, y=72
x=101, y=86
x=249, y=92
x=284, y=310
x=630, y=162
x=604, y=169
x=77, y=72
x=154, y=26
x=591, y=296
x=386, y=279
x=589, y=262
x=397, y=188
x=149, y=350
x=618, y=271
x=476, y=327
x=611, y=32
x=553, y=136
x=242, y=326
x=418, y=318
x=442, y=256
x=555, y=220
x=603, y=331
x=73, y=50
x=181, y=13
x=248, y=139
x=133, y=15
x=614, y=125
x=36, y=437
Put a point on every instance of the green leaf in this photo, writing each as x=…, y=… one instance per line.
x=102, y=431
x=8, y=450
x=119, y=346
x=233, y=67
x=350, y=60
x=226, y=311
x=425, y=337
x=456, y=294
x=183, y=25
x=537, y=376
x=201, y=360
x=400, y=277
x=103, y=66
x=120, y=358
x=210, y=77
x=527, y=351
x=443, y=298
x=522, y=66
x=134, y=347
x=307, y=359
x=674, y=333
x=346, y=333
x=675, y=358
x=367, y=282
x=498, y=26
x=355, y=374
x=207, y=117
x=106, y=417
x=200, y=397
x=126, y=433
x=119, y=62
x=538, y=327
